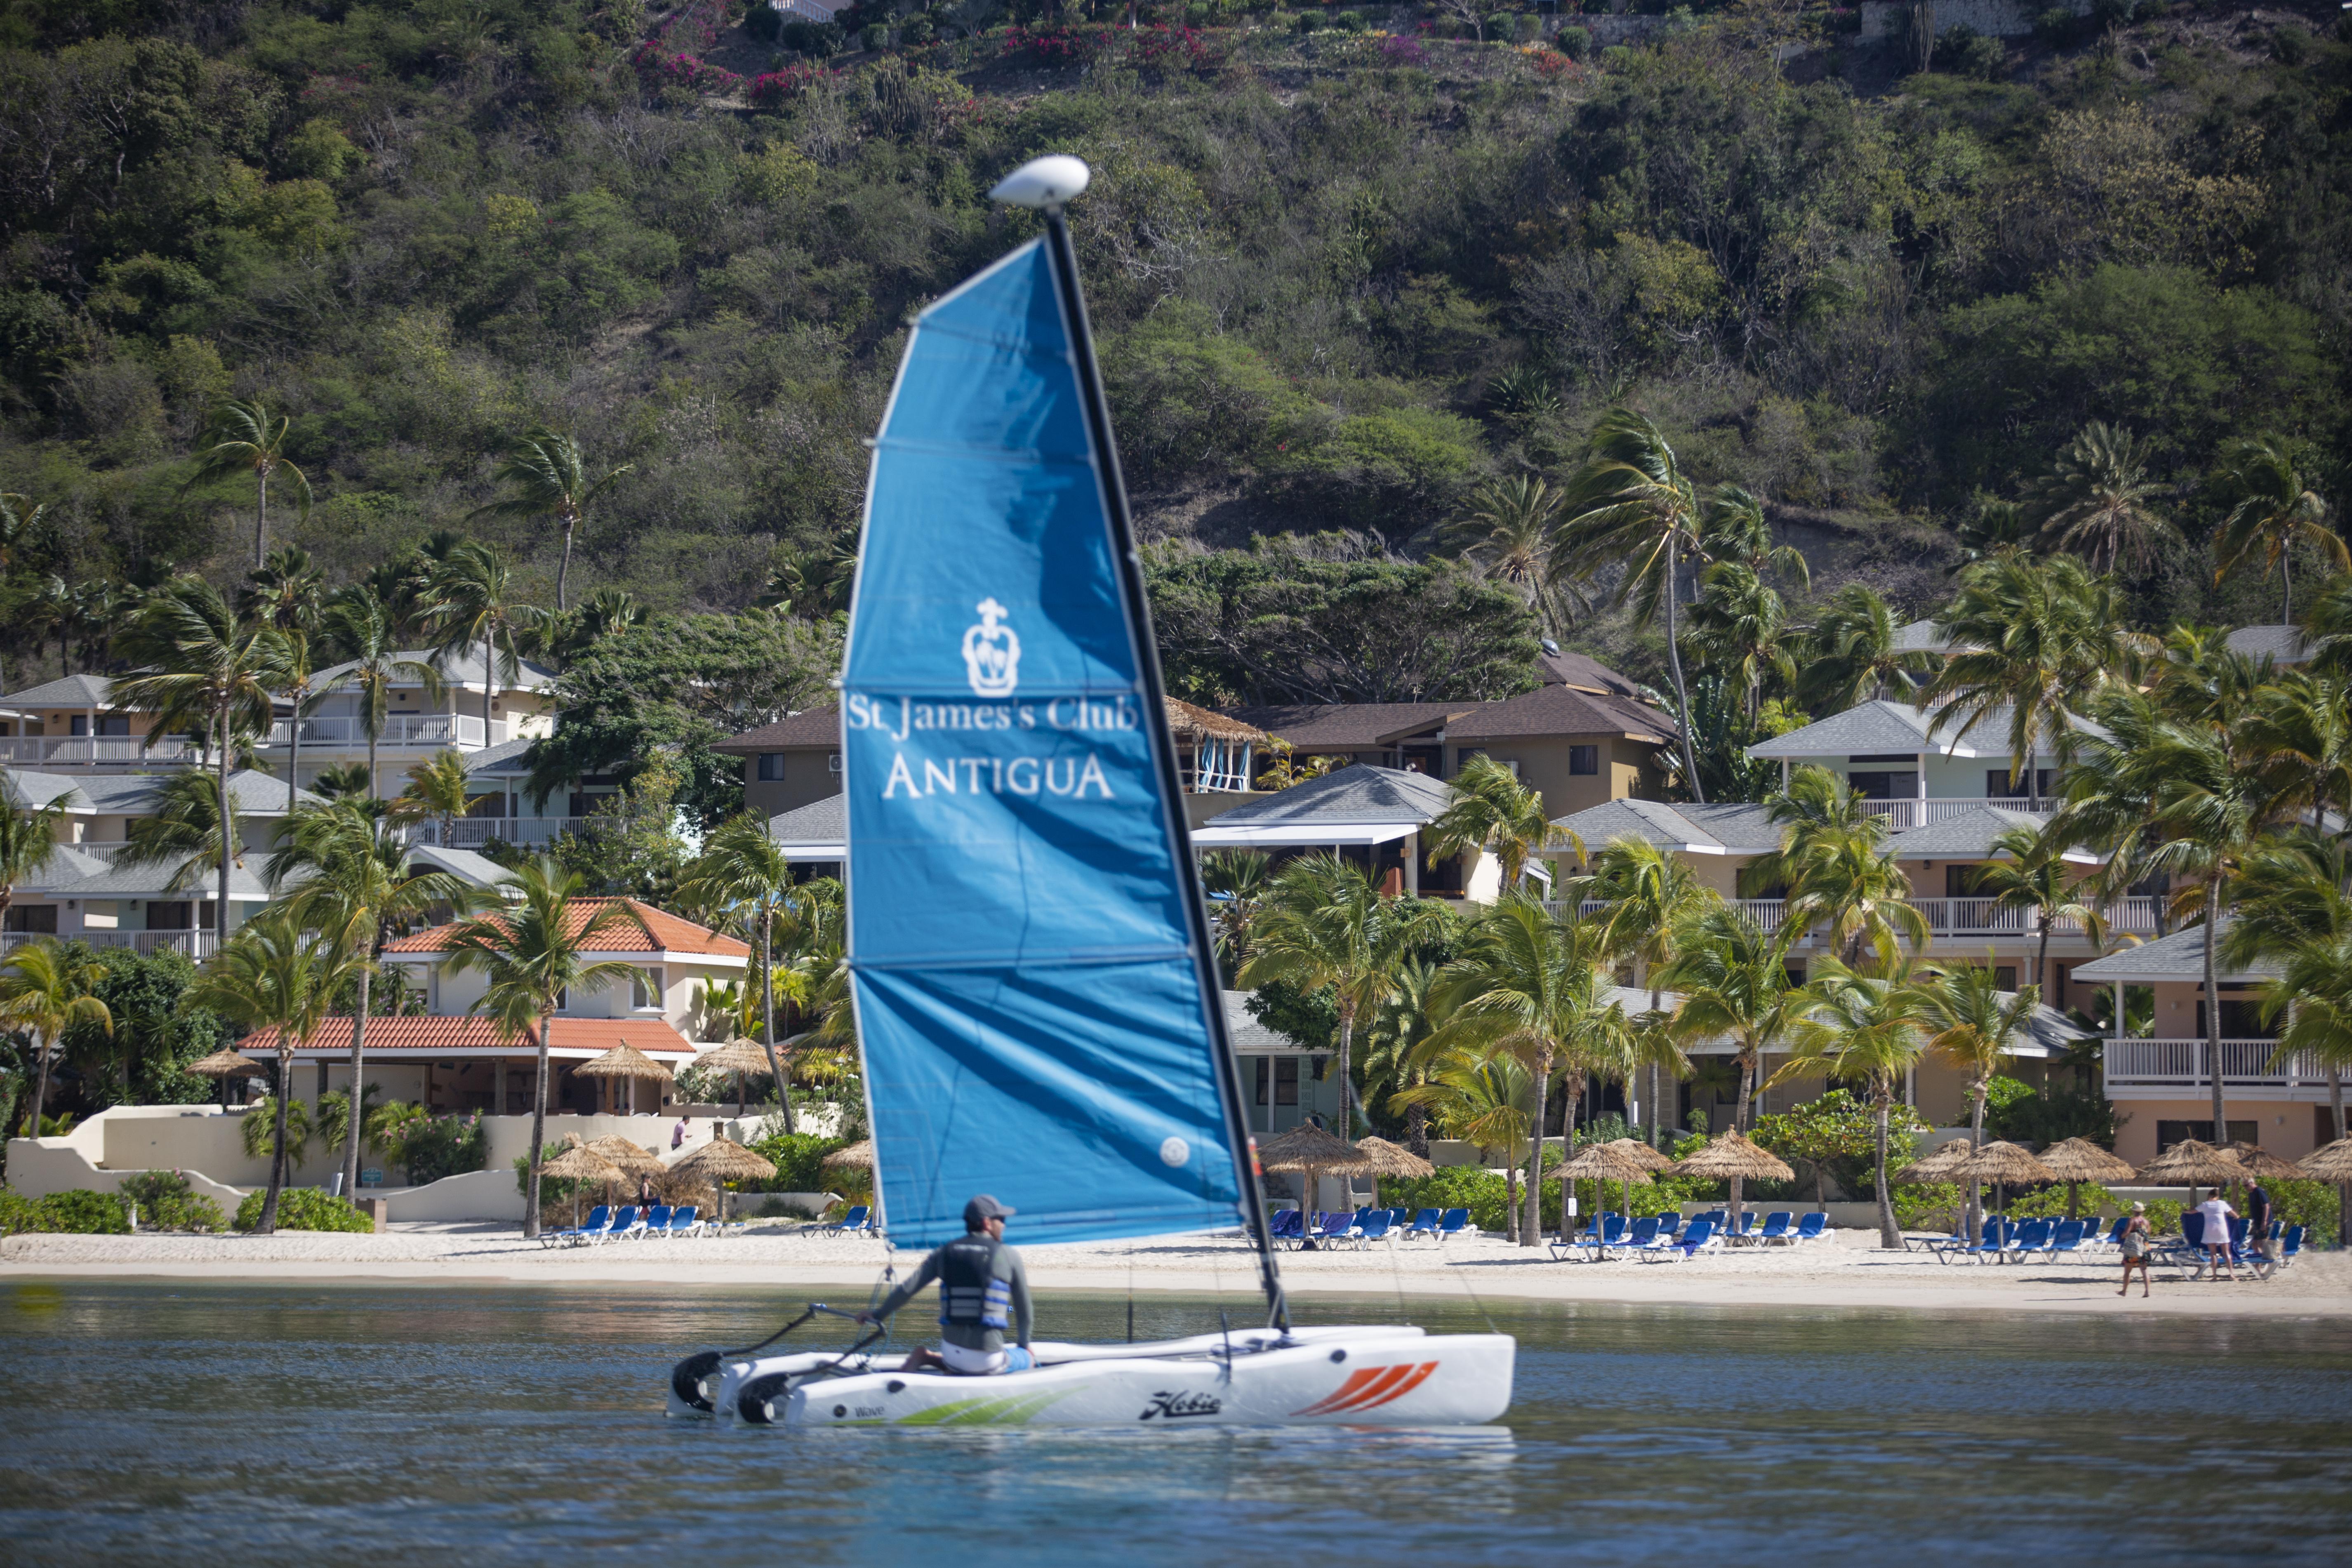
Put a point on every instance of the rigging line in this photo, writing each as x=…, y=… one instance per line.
x=1474, y=1301
x=1396, y=1269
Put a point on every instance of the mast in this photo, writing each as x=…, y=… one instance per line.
x=1139, y=607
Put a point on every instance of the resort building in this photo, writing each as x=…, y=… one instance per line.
x=1372, y=816
x=448, y=1059
x=421, y=721
x=2160, y=1079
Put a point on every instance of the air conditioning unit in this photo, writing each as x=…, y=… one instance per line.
x=832, y=762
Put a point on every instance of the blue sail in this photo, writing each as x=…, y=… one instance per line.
x=1030, y=1000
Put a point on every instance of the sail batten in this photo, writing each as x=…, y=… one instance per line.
x=1023, y=958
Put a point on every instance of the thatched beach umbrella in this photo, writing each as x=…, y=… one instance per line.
x=1649, y=1159
x=1308, y=1149
x=740, y=1057
x=1734, y=1157
x=2193, y=1164
x=2078, y=1160
x=224, y=1064
x=1942, y=1165
x=631, y=1159
x=2333, y=1163
x=1393, y=1160
x=579, y=1163
x=1605, y=1162
x=722, y=1161
x=625, y=1062
x=858, y=1155
x=2004, y=1165
x=2260, y=1161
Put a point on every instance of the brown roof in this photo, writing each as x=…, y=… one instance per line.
x=813, y=727
x=466, y=1031
x=1187, y=722
x=1585, y=673
x=647, y=930
x=1339, y=725
x=1561, y=710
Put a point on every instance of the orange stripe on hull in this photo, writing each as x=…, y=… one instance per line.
x=1372, y=1387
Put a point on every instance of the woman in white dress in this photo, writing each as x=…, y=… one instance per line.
x=2218, y=1214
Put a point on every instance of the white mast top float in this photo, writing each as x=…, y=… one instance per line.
x=1048, y=182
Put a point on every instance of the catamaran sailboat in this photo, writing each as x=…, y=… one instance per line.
x=1031, y=965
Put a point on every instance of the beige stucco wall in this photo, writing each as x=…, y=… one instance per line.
x=1627, y=770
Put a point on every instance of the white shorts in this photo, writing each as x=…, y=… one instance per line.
x=980, y=1363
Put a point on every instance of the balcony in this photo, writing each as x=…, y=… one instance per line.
x=2181, y=1065
x=1908, y=812
x=473, y=832
x=85, y=752
x=401, y=732
x=1966, y=918
x=196, y=944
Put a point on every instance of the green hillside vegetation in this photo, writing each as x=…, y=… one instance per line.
x=1346, y=276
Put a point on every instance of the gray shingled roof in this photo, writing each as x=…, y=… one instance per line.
x=67, y=691
x=1735, y=828
x=504, y=758
x=255, y=793
x=1249, y=1035
x=29, y=791
x=459, y=669
x=2281, y=644
x=1358, y=794
x=1308, y=726
x=1559, y=711
x=479, y=870
x=1968, y=837
x=2181, y=956
x=1921, y=636
x=155, y=882
x=1891, y=729
x=64, y=867
x=823, y=822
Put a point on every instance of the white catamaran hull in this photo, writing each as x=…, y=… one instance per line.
x=1347, y=1377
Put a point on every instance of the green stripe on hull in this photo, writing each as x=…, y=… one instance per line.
x=1009, y=1410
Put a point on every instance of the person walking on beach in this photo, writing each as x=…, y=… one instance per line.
x=2136, y=1239
x=984, y=1296
x=677, y=1134
x=2218, y=1214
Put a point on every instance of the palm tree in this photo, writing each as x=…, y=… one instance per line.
x=2039, y=640
x=1972, y=1024
x=19, y=517
x=1646, y=896
x=1866, y=1027
x=1998, y=528
x=1393, y=1041
x=2034, y=879
x=1493, y=811
x=28, y=840
x=1736, y=532
x=184, y=831
x=2277, y=509
x=472, y=602
x=532, y=949
x=1854, y=654
x=1741, y=626
x=2302, y=722
x=356, y=875
x=205, y=671
x=1486, y=1098
x=1530, y=986
x=1237, y=881
x=550, y=476
x=247, y=436
x=278, y=975
x=364, y=628
x=1734, y=980
x=1325, y=924
x=2174, y=786
x=1631, y=505
x=44, y=994
x=436, y=794
x=2095, y=499
x=2327, y=627
x=284, y=591
x=298, y=681
x=1833, y=869
x=1508, y=535
x=742, y=863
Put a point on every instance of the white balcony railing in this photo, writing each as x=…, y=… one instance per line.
x=463, y=730
x=198, y=944
x=1965, y=917
x=473, y=832
x=2182, y=1064
x=1908, y=812
x=108, y=851
x=82, y=751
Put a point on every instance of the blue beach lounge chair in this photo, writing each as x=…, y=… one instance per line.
x=624, y=1222
x=598, y=1219
x=682, y=1221
x=1810, y=1227
x=1423, y=1223
x=1776, y=1229
x=2066, y=1239
x=657, y=1222
x=2034, y=1238
x=1374, y=1228
x=1452, y=1222
x=854, y=1220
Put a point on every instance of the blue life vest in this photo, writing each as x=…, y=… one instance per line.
x=972, y=1295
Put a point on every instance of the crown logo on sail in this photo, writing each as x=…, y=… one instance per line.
x=991, y=653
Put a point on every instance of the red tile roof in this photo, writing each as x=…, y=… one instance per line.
x=466, y=1032
x=647, y=930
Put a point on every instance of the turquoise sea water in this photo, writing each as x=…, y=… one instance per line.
x=268, y=1424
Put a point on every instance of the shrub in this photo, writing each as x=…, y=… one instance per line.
x=2051, y=1202
x=304, y=1209
x=917, y=30
x=2044, y=1119
x=439, y=1146
x=1349, y=21
x=2057, y=26
x=1576, y=43
x=1617, y=58
x=818, y=38
x=799, y=1158
x=1963, y=51
x=763, y=21
x=876, y=35
x=1925, y=1206
x=165, y=1201
x=1310, y=21
x=2308, y=1204
x=771, y=90
x=77, y=1213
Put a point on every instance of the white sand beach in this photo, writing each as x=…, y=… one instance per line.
x=1848, y=1270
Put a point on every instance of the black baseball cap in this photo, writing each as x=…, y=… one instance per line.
x=983, y=1209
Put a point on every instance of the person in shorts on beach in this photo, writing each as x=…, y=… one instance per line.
x=983, y=1297
x=2218, y=1214
x=677, y=1134
x=2136, y=1240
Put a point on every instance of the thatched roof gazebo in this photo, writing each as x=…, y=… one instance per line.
x=1212, y=751
x=625, y=1064
x=1648, y=1158
x=224, y=1064
x=1316, y=1154
x=579, y=1163
x=1735, y=1158
x=741, y=1057
x=722, y=1161
x=1605, y=1162
x=2332, y=1163
x=629, y=1159
x=2078, y=1160
x=1941, y=1165
x=2005, y=1164
x=858, y=1155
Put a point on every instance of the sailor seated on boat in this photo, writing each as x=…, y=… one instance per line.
x=982, y=1293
